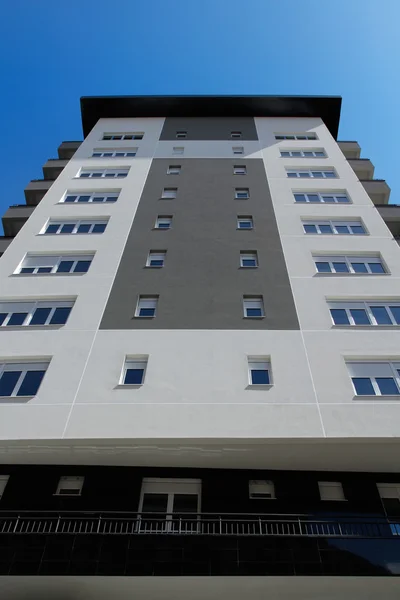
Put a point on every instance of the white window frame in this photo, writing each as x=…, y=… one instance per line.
x=265, y=487
x=135, y=362
x=348, y=260
x=367, y=306
x=30, y=307
x=158, y=485
x=391, y=486
x=92, y=197
x=248, y=255
x=303, y=153
x=118, y=173
x=3, y=484
x=24, y=367
x=236, y=135
x=334, y=224
x=114, y=153
x=240, y=170
x=389, y=369
x=178, y=150
x=239, y=191
x=146, y=302
x=121, y=136
x=336, y=496
x=335, y=195
x=295, y=136
x=169, y=193
x=174, y=170
x=156, y=255
x=243, y=218
x=297, y=173
x=181, y=134
x=76, y=224
x=258, y=302
x=238, y=150
x=55, y=265
x=163, y=219
x=68, y=482
x=263, y=361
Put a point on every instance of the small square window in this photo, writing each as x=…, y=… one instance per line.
x=3, y=482
x=261, y=489
x=70, y=486
x=239, y=170
x=178, y=150
x=242, y=193
x=169, y=193
x=248, y=259
x=163, y=222
x=134, y=371
x=146, y=306
x=156, y=258
x=253, y=307
x=174, y=170
x=259, y=371
x=181, y=135
x=237, y=150
x=331, y=490
x=236, y=135
x=245, y=222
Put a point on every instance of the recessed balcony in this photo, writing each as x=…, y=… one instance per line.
x=36, y=189
x=53, y=167
x=5, y=241
x=378, y=190
x=362, y=167
x=390, y=213
x=66, y=150
x=15, y=217
x=350, y=149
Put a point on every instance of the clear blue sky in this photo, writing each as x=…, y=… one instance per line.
x=53, y=52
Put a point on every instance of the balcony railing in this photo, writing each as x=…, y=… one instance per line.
x=194, y=524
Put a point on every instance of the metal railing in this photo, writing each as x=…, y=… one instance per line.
x=106, y=523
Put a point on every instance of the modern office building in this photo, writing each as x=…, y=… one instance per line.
x=200, y=359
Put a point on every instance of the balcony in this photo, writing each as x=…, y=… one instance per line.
x=36, y=189
x=66, y=150
x=53, y=167
x=4, y=243
x=378, y=190
x=390, y=213
x=362, y=167
x=350, y=149
x=15, y=217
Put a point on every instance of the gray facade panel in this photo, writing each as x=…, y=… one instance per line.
x=201, y=285
x=209, y=128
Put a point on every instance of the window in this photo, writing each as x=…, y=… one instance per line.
x=136, y=135
x=24, y=314
x=146, y=306
x=303, y=153
x=41, y=264
x=236, y=135
x=21, y=379
x=134, y=371
x=114, y=153
x=375, y=378
x=70, y=486
x=242, y=193
x=360, y=265
x=238, y=150
x=334, y=227
x=239, y=170
x=72, y=227
x=169, y=193
x=259, y=371
x=304, y=174
x=248, y=259
x=322, y=197
x=365, y=313
x=99, y=197
x=103, y=173
x=253, y=307
x=163, y=222
x=181, y=135
x=3, y=482
x=296, y=136
x=178, y=150
x=331, y=490
x=170, y=496
x=261, y=489
x=156, y=258
x=174, y=170
x=245, y=222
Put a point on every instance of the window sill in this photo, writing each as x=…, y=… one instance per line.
x=144, y=318
x=15, y=399
x=161, y=228
x=388, y=398
x=256, y=267
x=254, y=318
x=367, y=327
x=46, y=274
x=29, y=327
x=350, y=274
x=153, y=267
x=128, y=386
x=67, y=495
x=245, y=228
x=260, y=386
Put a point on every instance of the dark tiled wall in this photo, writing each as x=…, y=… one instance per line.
x=202, y=285
x=209, y=128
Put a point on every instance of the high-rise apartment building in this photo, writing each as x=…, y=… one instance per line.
x=200, y=359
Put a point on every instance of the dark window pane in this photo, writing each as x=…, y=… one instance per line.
x=68, y=228
x=131, y=154
x=259, y=377
x=330, y=174
x=304, y=175
x=164, y=225
x=83, y=198
x=292, y=175
x=39, y=316
x=313, y=198
x=65, y=266
x=84, y=175
x=300, y=197
x=17, y=319
x=99, y=228
x=96, y=174
x=301, y=137
x=117, y=154
x=27, y=270
x=317, y=174
x=82, y=266
x=254, y=312
x=147, y=312
x=285, y=154
x=155, y=503
x=323, y=267
x=310, y=228
x=2, y=318
x=376, y=267
x=156, y=263
x=339, y=316
x=60, y=315
x=328, y=199
x=387, y=386
x=363, y=386
x=396, y=313
x=70, y=198
x=98, y=199
x=111, y=199
x=325, y=229
x=96, y=154
x=45, y=269
x=84, y=228
x=381, y=315
x=359, y=267
x=342, y=199
x=107, y=154
x=340, y=267
x=134, y=376
x=249, y=262
x=121, y=174
x=357, y=229
x=360, y=316
x=342, y=229
x=185, y=503
x=296, y=154
x=52, y=228
x=8, y=381
x=31, y=383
